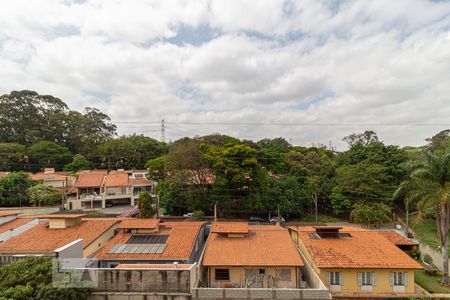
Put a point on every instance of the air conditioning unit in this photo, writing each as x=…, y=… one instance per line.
x=133, y=231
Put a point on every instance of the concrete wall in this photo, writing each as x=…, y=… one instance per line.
x=138, y=296
x=242, y=276
x=262, y=294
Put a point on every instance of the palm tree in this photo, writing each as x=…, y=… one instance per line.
x=430, y=185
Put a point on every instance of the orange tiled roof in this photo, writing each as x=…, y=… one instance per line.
x=60, y=216
x=117, y=179
x=135, y=223
x=229, y=227
x=47, y=176
x=264, y=245
x=43, y=240
x=363, y=249
x=150, y=266
x=397, y=239
x=180, y=243
x=13, y=224
x=90, y=179
x=313, y=229
x=8, y=214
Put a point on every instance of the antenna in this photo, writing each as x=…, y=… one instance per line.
x=163, y=131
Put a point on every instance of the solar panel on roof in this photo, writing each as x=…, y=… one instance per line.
x=148, y=239
x=137, y=249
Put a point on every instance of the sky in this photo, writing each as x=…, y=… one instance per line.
x=308, y=70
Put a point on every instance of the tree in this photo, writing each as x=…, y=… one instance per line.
x=339, y=202
x=129, y=152
x=373, y=215
x=172, y=197
x=11, y=156
x=145, y=205
x=79, y=162
x=34, y=282
x=48, y=154
x=436, y=141
x=42, y=194
x=14, y=187
x=430, y=184
x=157, y=168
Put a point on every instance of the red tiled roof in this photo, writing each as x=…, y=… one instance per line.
x=364, y=249
x=90, y=179
x=8, y=214
x=229, y=227
x=397, y=239
x=43, y=240
x=13, y=224
x=60, y=216
x=135, y=223
x=180, y=243
x=313, y=228
x=264, y=245
x=47, y=176
x=117, y=179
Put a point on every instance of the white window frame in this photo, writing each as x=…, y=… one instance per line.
x=366, y=278
x=399, y=278
x=335, y=278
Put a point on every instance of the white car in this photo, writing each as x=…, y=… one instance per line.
x=188, y=215
x=274, y=220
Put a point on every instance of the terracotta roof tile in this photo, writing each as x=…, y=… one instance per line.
x=117, y=179
x=43, y=240
x=180, y=243
x=229, y=227
x=47, y=176
x=140, y=181
x=264, y=245
x=397, y=239
x=363, y=249
x=135, y=223
x=90, y=179
x=60, y=216
x=13, y=224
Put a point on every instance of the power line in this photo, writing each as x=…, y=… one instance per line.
x=287, y=124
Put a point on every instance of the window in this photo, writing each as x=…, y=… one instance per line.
x=222, y=274
x=334, y=278
x=262, y=271
x=399, y=278
x=366, y=278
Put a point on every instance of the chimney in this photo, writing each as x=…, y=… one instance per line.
x=49, y=170
x=328, y=232
x=63, y=220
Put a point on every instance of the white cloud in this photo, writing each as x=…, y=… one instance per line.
x=267, y=62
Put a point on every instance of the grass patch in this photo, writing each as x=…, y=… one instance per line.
x=322, y=219
x=426, y=232
x=430, y=283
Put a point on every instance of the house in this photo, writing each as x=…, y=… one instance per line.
x=400, y=241
x=99, y=189
x=11, y=225
x=58, y=230
x=63, y=181
x=149, y=241
x=355, y=262
x=240, y=255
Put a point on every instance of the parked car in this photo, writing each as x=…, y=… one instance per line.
x=257, y=219
x=188, y=215
x=274, y=220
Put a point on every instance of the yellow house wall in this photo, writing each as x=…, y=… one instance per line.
x=101, y=241
x=237, y=276
x=382, y=281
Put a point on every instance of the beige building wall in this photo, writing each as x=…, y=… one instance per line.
x=101, y=241
x=238, y=277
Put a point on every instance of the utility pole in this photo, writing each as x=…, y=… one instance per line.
x=163, y=131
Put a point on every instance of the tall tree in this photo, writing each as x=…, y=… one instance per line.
x=79, y=162
x=48, y=154
x=131, y=151
x=432, y=188
x=11, y=156
x=14, y=188
x=145, y=205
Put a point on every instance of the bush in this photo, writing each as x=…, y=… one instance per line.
x=42, y=194
x=145, y=205
x=373, y=215
x=197, y=215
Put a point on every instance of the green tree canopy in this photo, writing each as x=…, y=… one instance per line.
x=132, y=151
x=41, y=194
x=145, y=205
x=11, y=156
x=34, y=282
x=48, y=154
x=79, y=162
x=14, y=189
x=373, y=215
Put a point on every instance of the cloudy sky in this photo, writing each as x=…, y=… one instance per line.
x=315, y=70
